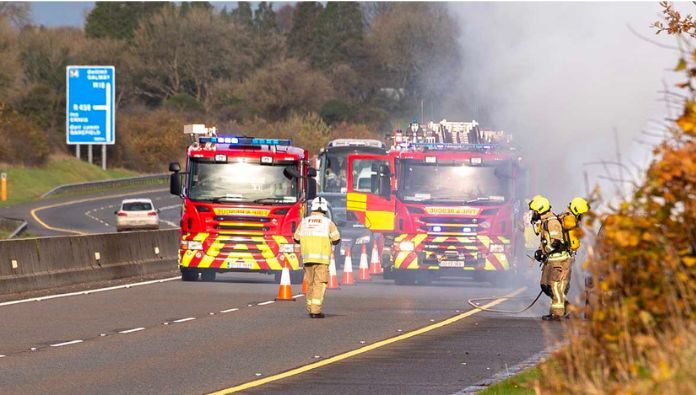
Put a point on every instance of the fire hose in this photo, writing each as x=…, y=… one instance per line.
x=475, y=302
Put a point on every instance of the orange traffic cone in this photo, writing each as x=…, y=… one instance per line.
x=333, y=279
x=363, y=269
x=285, y=290
x=375, y=264
x=348, y=271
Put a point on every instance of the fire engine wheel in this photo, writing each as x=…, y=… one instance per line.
x=208, y=275
x=188, y=274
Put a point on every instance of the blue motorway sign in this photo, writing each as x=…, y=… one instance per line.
x=90, y=108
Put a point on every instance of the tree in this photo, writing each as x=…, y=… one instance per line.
x=243, y=15
x=19, y=14
x=303, y=36
x=187, y=53
x=339, y=34
x=277, y=90
x=415, y=44
x=10, y=68
x=269, y=44
x=118, y=20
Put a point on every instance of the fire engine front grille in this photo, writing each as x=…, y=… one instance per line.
x=232, y=218
x=450, y=220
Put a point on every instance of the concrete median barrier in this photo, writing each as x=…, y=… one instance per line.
x=51, y=262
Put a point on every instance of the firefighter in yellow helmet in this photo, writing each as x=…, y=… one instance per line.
x=553, y=254
x=316, y=235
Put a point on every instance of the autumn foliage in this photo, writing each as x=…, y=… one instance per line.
x=638, y=337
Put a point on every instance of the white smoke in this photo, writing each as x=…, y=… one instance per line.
x=561, y=77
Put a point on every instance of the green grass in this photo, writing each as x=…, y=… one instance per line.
x=514, y=385
x=26, y=183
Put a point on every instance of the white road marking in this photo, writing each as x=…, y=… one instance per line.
x=298, y=296
x=2, y=356
x=184, y=319
x=132, y=330
x=229, y=310
x=173, y=206
x=66, y=343
x=265, y=303
x=39, y=299
x=170, y=223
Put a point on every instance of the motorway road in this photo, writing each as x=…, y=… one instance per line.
x=90, y=213
x=187, y=338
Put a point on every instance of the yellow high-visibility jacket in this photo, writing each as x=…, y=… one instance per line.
x=316, y=234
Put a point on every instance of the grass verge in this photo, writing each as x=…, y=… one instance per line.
x=25, y=184
x=519, y=384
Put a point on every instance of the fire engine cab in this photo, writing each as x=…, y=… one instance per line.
x=447, y=199
x=243, y=198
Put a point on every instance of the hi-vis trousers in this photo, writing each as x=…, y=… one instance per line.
x=555, y=281
x=316, y=275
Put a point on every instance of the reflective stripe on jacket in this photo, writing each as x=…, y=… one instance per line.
x=315, y=235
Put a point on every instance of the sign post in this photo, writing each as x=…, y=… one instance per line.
x=90, y=109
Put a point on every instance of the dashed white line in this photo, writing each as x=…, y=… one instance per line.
x=132, y=330
x=170, y=223
x=66, y=343
x=265, y=303
x=184, y=319
x=229, y=310
x=298, y=296
x=2, y=356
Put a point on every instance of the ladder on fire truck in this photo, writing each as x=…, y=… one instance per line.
x=461, y=135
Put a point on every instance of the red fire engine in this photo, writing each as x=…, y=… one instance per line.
x=447, y=199
x=243, y=199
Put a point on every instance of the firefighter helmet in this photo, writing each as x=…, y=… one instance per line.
x=539, y=204
x=579, y=206
x=320, y=204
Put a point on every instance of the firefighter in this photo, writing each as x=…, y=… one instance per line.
x=554, y=254
x=316, y=234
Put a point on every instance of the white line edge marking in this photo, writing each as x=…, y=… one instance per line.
x=298, y=296
x=66, y=343
x=41, y=298
x=2, y=356
x=132, y=330
x=265, y=303
x=229, y=310
x=184, y=319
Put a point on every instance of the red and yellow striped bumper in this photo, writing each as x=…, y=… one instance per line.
x=432, y=252
x=237, y=253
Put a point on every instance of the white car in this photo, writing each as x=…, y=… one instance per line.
x=137, y=214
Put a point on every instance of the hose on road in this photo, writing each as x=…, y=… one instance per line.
x=473, y=302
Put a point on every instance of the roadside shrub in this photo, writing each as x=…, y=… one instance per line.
x=20, y=140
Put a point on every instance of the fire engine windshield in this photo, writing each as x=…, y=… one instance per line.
x=335, y=163
x=241, y=182
x=460, y=183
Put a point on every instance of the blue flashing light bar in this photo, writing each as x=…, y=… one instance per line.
x=245, y=141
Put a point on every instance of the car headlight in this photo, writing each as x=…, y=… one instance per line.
x=287, y=248
x=195, y=245
x=497, y=248
x=406, y=246
x=363, y=240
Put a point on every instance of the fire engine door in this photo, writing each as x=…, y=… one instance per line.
x=370, y=194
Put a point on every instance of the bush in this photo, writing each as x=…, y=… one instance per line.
x=151, y=140
x=335, y=111
x=22, y=141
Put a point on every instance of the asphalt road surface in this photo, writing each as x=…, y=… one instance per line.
x=93, y=213
x=179, y=337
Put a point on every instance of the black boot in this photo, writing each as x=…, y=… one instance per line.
x=550, y=317
x=317, y=315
